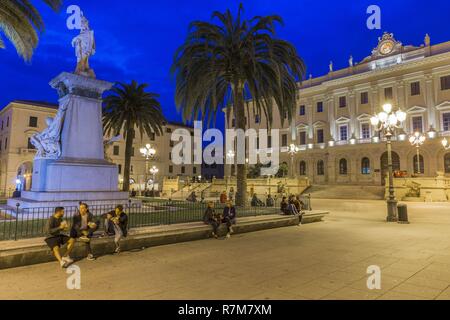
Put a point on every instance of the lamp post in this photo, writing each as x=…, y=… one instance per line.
x=230, y=155
x=293, y=149
x=154, y=171
x=148, y=153
x=387, y=122
x=446, y=144
x=417, y=140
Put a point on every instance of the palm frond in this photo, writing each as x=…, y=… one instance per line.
x=21, y=22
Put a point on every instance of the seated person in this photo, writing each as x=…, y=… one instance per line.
x=229, y=217
x=284, y=206
x=57, y=238
x=212, y=218
x=270, y=202
x=256, y=202
x=83, y=227
x=120, y=226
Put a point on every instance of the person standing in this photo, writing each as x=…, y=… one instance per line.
x=57, y=238
x=229, y=217
x=83, y=227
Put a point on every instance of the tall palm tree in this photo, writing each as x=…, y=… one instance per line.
x=226, y=64
x=129, y=108
x=20, y=21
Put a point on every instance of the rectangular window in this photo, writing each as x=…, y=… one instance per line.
x=342, y=102
x=446, y=121
x=388, y=94
x=170, y=169
x=183, y=170
x=284, y=140
x=415, y=88
x=33, y=122
x=302, y=110
x=365, y=131
x=320, y=136
x=445, y=83
x=116, y=150
x=364, y=97
x=257, y=119
x=302, y=138
x=120, y=168
x=417, y=124
x=194, y=170
x=319, y=107
x=30, y=145
x=343, y=132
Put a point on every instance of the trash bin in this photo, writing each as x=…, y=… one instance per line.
x=403, y=214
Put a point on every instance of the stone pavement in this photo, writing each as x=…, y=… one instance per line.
x=325, y=260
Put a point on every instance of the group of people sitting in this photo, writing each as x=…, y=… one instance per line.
x=84, y=225
x=292, y=206
x=215, y=219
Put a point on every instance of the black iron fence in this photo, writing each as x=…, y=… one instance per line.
x=21, y=223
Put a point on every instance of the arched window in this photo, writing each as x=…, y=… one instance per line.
x=365, y=166
x=343, y=167
x=421, y=165
x=303, y=168
x=447, y=163
x=320, y=168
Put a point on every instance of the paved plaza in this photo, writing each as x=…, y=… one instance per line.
x=326, y=260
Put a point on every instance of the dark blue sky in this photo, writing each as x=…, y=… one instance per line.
x=136, y=39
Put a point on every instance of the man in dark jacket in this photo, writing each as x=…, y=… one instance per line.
x=56, y=238
x=83, y=227
x=212, y=218
x=229, y=217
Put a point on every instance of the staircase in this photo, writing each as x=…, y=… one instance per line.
x=346, y=192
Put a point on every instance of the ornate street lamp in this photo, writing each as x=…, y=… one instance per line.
x=446, y=144
x=148, y=153
x=154, y=171
x=387, y=122
x=417, y=140
x=293, y=150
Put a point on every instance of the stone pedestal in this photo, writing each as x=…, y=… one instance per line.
x=81, y=173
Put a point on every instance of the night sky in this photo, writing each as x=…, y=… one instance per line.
x=136, y=39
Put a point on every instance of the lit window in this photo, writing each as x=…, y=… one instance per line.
x=302, y=138
x=417, y=124
x=365, y=166
x=343, y=133
x=320, y=136
x=365, y=131
x=302, y=110
x=319, y=107
x=446, y=121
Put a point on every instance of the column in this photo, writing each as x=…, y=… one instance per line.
x=430, y=101
x=331, y=116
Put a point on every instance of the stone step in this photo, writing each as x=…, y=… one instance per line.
x=356, y=192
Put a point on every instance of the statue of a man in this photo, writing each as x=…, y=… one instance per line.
x=84, y=45
x=48, y=142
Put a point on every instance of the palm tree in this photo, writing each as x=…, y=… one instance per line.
x=224, y=65
x=20, y=22
x=129, y=108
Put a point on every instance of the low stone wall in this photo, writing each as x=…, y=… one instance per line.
x=422, y=189
x=34, y=251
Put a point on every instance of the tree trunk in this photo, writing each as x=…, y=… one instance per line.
x=241, y=174
x=128, y=151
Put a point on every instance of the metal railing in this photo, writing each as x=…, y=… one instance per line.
x=21, y=223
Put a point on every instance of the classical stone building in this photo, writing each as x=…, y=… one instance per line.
x=332, y=125
x=20, y=120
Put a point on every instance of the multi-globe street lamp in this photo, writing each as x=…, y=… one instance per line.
x=148, y=153
x=417, y=140
x=293, y=150
x=154, y=171
x=388, y=122
x=446, y=144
